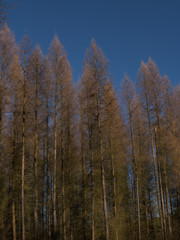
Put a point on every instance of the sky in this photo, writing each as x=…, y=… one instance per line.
x=127, y=31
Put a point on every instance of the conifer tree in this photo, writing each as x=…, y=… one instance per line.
x=10, y=75
x=37, y=76
x=25, y=48
x=63, y=93
x=93, y=82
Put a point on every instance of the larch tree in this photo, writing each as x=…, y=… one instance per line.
x=54, y=57
x=10, y=74
x=15, y=100
x=153, y=92
x=48, y=99
x=64, y=142
x=93, y=80
x=25, y=49
x=114, y=141
x=37, y=79
x=128, y=95
x=170, y=142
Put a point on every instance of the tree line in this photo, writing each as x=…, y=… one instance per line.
x=83, y=161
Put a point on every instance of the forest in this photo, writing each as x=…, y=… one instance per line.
x=84, y=161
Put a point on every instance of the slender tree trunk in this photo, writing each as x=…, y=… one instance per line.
x=92, y=197
x=55, y=158
x=159, y=153
x=92, y=187
x=1, y=99
x=1, y=132
x=168, y=194
x=13, y=184
x=162, y=198
x=35, y=162
x=155, y=167
x=36, y=193
x=147, y=217
x=139, y=215
x=62, y=167
x=48, y=175
x=136, y=170
x=104, y=197
x=83, y=175
x=23, y=151
x=144, y=189
x=92, y=170
x=54, y=180
x=43, y=194
x=157, y=181
x=92, y=177
x=22, y=176
x=113, y=186
x=168, y=208
x=146, y=207
x=84, y=190
x=143, y=182
x=63, y=198
x=103, y=187
x=13, y=220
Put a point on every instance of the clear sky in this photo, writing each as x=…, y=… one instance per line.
x=128, y=31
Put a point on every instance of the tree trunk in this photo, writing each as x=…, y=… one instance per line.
x=1, y=134
x=104, y=197
x=168, y=208
x=114, y=186
x=159, y=155
x=92, y=197
x=83, y=175
x=35, y=161
x=55, y=158
x=23, y=151
x=139, y=215
x=63, y=198
x=62, y=166
x=13, y=183
x=103, y=187
x=92, y=169
x=134, y=162
x=47, y=156
x=114, y=193
x=1, y=99
x=155, y=166
x=84, y=191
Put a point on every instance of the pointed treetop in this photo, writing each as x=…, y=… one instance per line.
x=95, y=57
x=56, y=49
x=93, y=44
x=127, y=89
x=56, y=44
x=6, y=34
x=38, y=49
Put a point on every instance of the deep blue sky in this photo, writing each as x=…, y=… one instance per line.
x=127, y=31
